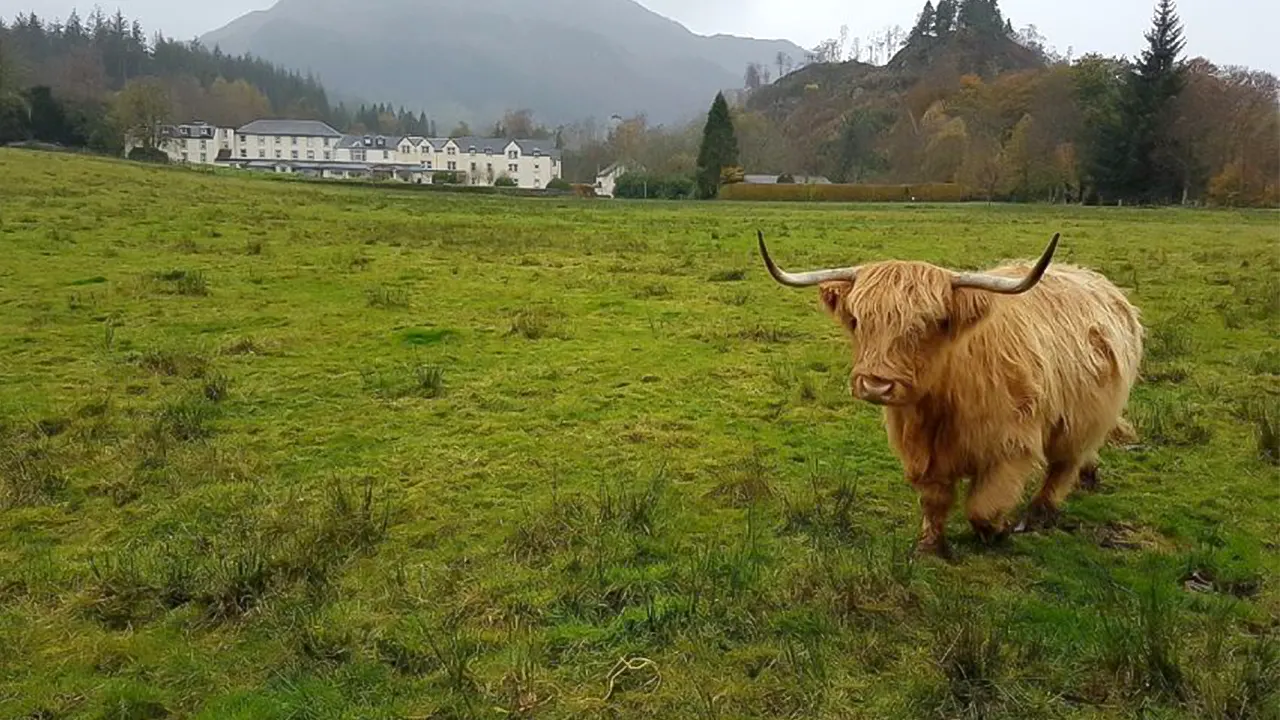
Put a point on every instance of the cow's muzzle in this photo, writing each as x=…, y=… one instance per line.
x=875, y=390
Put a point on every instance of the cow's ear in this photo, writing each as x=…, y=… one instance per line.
x=967, y=308
x=833, y=295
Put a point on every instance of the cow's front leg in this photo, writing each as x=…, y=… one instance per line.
x=993, y=494
x=936, y=498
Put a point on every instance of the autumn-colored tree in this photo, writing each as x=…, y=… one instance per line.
x=141, y=110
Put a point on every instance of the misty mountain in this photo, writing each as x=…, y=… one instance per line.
x=474, y=59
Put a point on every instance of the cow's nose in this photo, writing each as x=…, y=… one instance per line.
x=873, y=389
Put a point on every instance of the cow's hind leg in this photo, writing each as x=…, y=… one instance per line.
x=993, y=494
x=1058, y=483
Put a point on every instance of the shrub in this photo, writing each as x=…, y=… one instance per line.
x=445, y=178
x=786, y=179
x=831, y=192
x=151, y=155
x=505, y=181
x=559, y=184
x=654, y=187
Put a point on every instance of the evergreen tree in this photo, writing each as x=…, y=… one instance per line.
x=944, y=18
x=1137, y=153
x=925, y=24
x=719, y=148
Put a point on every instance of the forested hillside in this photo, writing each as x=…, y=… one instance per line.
x=967, y=99
x=83, y=82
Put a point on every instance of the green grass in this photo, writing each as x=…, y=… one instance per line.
x=276, y=449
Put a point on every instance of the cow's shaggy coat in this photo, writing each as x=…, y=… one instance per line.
x=989, y=386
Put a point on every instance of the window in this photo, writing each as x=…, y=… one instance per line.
x=428, y=164
x=204, y=144
x=386, y=154
x=453, y=165
x=204, y=157
x=278, y=154
x=513, y=155
x=488, y=151
x=489, y=167
x=311, y=154
x=262, y=153
x=536, y=167
x=473, y=168
x=244, y=152
x=262, y=140
x=357, y=155
x=326, y=142
x=327, y=154
x=294, y=154
x=513, y=167
x=295, y=139
x=311, y=142
x=184, y=156
x=452, y=151
x=277, y=139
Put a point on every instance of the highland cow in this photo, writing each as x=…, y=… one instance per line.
x=987, y=376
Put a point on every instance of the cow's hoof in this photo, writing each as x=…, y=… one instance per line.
x=988, y=532
x=934, y=547
x=1038, y=517
x=1089, y=478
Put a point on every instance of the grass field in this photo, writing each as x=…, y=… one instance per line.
x=280, y=450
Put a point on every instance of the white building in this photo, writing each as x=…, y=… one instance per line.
x=292, y=140
x=607, y=179
x=314, y=148
x=198, y=142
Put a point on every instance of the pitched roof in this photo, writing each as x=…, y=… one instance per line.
x=389, y=142
x=306, y=128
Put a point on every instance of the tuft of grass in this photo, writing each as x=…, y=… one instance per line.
x=721, y=276
x=534, y=323
x=386, y=298
x=1264, y=415
x=173, y=363
x=216, y=386
x=184, y=282
x=657, y=290
x=1141, y=642
x=1163, y=420
x=186, y=419
x=30, y=474
x=971, y=656
x=256, y=246
x=426, y=381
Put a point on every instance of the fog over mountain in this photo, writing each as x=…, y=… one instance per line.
x=461, y=59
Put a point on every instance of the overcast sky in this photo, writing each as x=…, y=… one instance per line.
x=1226, y=31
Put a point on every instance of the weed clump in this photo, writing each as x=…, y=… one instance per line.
x=184, y=282
x=386, y=298
x=1165, y=421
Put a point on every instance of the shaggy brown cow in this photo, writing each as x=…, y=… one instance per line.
x=986, y=376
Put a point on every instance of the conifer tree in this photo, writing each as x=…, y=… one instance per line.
x=944, y=18
x=719, y=148
x=1137, y=154
x=924, y=25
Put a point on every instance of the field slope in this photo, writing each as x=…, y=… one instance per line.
x=272, y=449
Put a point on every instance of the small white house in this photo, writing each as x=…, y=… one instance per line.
x=197, y=143
x=607, y=179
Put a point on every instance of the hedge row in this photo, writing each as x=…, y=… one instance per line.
x=927, y=192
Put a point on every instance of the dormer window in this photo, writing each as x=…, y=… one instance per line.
x=514, y=155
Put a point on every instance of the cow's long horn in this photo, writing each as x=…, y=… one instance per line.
x=1006, y=285
x=804, y=279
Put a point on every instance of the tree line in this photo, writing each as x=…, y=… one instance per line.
x=89, y=81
